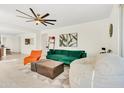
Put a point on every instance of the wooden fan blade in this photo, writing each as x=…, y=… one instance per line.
x=33, y=12
x=49, y=20
x=24, y=17
x=24, y=13
x=49, y=23
x=47, y=14
x=30, y=20
x=43, y=23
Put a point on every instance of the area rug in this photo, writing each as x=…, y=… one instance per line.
x=61, y=81
x=13, y=74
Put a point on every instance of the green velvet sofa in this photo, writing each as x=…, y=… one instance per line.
x=65, y=56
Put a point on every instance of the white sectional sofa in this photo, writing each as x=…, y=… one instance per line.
x=104, y=71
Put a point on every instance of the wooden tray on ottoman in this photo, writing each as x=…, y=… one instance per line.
x=49, y=68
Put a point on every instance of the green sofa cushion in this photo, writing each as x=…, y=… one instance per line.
x=64, y=52
x=61, y=52
x=68, y=58
x=61, y=57
x=57, y=51
x=55, y=56
x=75, y=53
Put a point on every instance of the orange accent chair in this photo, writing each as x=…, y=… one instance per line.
x=34, y=57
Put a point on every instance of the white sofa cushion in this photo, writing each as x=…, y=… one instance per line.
x=80, y=74
x=109, y=71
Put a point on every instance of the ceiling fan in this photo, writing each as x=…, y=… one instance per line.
x=37, y=18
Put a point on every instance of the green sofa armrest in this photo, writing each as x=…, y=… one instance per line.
x=49, y=53
x=83, y=55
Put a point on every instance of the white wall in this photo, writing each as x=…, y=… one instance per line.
x=114, y=42
x=11, y=42
x=17, y=42
x=91, y=36
x=26, y=49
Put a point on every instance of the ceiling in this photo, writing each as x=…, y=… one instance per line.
x=69, y=14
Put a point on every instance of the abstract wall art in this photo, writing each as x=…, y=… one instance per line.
x=68, y=40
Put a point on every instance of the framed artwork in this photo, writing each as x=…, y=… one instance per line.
x=27, y=41
x=68, y=40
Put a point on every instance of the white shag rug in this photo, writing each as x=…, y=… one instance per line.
x=13, y=74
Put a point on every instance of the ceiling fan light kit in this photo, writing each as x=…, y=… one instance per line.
x=37, y=18
x=37, y=22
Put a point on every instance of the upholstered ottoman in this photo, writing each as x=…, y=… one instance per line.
x=48, y=68
x=33, y=67
x=33, y=64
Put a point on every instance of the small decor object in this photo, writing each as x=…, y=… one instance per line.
x=68, y=40
x=109, y=51
x=111, y=30
x=103, y=50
